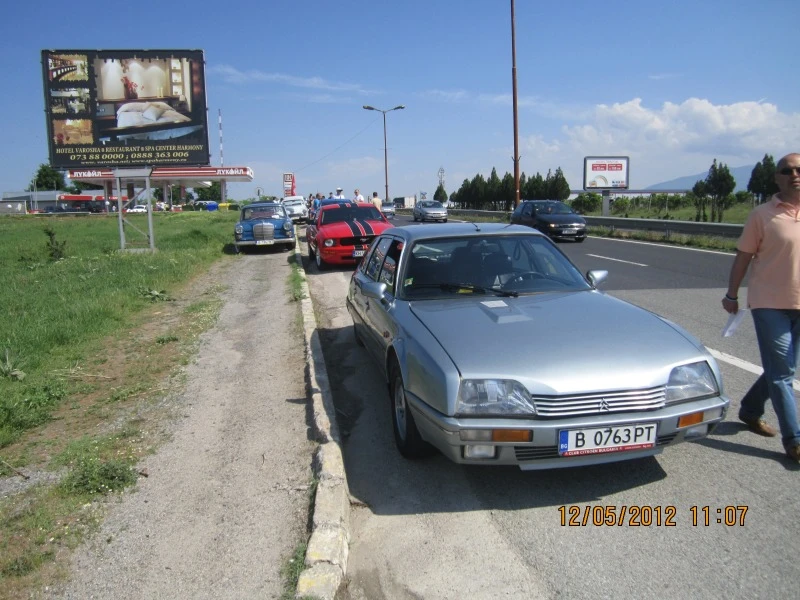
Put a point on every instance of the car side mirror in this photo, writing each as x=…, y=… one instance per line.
x=596, y=276
x=373, y=289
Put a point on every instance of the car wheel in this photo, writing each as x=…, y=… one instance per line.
x=415, y=218
x=406, y=435
x=320, y=263
x=292, y=246
x=444, y=220
x=580, y=240
x=310, y=251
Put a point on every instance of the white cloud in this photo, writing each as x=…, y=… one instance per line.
x=445, y=95
x=233, y=75
x=670, y=141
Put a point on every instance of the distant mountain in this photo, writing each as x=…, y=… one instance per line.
x=740, y=174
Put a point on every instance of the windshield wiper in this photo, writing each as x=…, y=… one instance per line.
x=455, y=287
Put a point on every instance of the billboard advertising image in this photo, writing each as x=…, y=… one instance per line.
x=605, y=173
x=125, y=108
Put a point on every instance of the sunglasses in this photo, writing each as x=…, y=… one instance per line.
x=789, y=170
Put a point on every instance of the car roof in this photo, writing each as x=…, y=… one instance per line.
x=340, y=203
x=416, y=233
x=261, y=204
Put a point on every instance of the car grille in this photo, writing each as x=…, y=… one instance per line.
x=594, y=404
x=362, y=240
x=263, y=231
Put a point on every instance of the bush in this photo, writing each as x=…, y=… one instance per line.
x=92, y=476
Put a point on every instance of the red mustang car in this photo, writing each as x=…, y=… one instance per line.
x=342, y=232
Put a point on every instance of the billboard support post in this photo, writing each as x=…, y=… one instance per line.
x=129, y=175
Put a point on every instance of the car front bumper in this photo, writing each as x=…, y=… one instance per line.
x=265, y=243
x=542, y=452
x=342, y=255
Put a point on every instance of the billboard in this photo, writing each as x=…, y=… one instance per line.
x=289, y=188
x=605, y=173
x=125, y=108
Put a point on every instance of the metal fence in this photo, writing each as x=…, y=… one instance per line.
x=665, y=226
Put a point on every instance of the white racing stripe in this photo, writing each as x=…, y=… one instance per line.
x=743, y=364
x=627, y=262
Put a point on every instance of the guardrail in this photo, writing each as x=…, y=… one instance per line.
x=666, y=226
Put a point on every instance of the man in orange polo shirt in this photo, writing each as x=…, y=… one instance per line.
x=770, y=247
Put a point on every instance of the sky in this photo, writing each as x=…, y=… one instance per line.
x=672, y=85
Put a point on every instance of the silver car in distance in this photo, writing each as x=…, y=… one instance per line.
x=498, y=351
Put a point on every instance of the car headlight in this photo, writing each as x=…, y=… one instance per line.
x=287, y=225
x=328, y=243
x=691, y=381
x=238, y=229
x=495, y=397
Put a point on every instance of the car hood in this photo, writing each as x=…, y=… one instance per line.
x=560, y=219
x=354, y=228
x=558, y=343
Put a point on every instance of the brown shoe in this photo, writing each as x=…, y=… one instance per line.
x=793, y=452
x=759, y=426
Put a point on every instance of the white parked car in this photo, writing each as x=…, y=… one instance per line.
x=139, y=208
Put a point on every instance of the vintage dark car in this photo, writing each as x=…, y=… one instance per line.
x=342, y=231
x=498, y=351
x=264, y=224
x=552, y=217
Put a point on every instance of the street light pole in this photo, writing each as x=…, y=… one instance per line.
x=385, y=151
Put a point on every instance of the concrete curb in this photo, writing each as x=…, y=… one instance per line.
x=326, y=554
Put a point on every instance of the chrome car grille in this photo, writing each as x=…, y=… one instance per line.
x=362, y=240
x=263, y=231
x=598, y=404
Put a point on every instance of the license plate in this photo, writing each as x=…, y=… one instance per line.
x=264, y=242
x=569, y=231
x=599, y=440
x=357, y=253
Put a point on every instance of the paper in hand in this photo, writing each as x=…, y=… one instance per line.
x=734, y=320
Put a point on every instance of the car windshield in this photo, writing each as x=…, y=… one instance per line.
x=552, y=208
x=492, y=264
x=431, y=204
x=263, y=212
x=343, y=213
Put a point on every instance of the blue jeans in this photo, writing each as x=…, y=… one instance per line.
x=778, y=333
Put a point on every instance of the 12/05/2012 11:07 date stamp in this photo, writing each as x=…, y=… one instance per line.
x=645, y=515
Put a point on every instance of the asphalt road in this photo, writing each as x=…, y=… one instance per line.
x=435, y=530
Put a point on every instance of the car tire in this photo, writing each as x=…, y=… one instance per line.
x=444, y=220
x=406, y=435
x=321, y=264
x=580, y=240
x=291, y=247
x=310, y=252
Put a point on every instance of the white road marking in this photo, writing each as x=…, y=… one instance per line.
x=627, y=262
x=744, y=365
x=671, y=246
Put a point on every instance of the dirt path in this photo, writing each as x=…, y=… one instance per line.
x=225, y=502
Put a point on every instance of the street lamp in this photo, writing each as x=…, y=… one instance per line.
x=385, y=157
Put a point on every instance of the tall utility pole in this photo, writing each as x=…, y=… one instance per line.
x=514, y=88
x=223, y=187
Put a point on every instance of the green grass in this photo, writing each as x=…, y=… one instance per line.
x=66, y=285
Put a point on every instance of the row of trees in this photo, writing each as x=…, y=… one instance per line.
x=710, y=197
x=499, y=194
